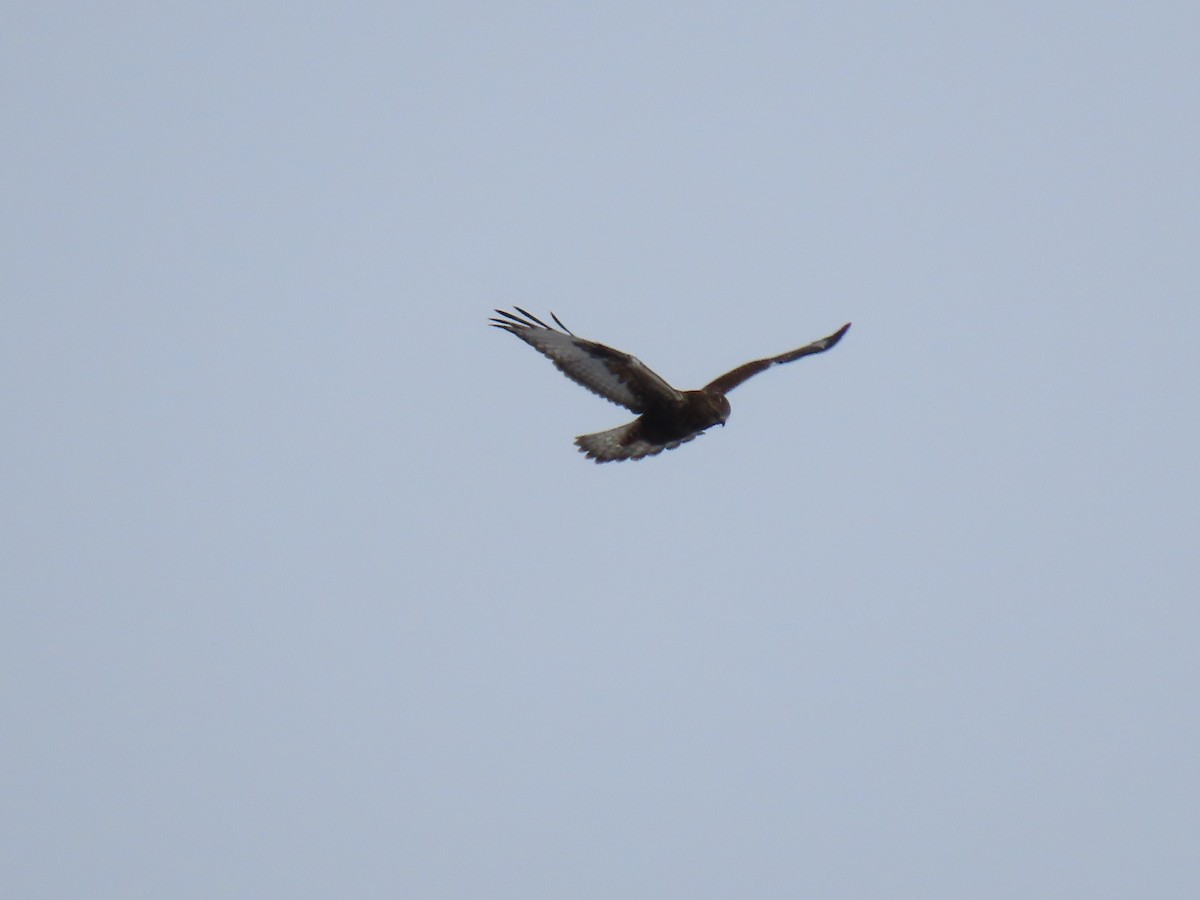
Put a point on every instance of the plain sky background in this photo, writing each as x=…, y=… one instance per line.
x=307, y=593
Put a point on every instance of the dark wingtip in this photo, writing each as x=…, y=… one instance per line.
x=512, y=322
x=531, y=317
x=837, y=335
x=503, y=323
x=521, y=323
x=558, y=322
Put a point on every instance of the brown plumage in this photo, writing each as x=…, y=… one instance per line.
x=666, y=417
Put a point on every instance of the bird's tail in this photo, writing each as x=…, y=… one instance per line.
x=623, y=442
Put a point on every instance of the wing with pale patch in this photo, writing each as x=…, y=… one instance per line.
x=625, y=442
x=614, y=375
x=730, y=380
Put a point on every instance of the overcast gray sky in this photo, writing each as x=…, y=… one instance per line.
x=307, y=592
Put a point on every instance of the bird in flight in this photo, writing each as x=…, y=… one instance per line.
x=666, y=417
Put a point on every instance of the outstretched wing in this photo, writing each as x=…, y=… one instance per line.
x=614, y=375
x=730, y=380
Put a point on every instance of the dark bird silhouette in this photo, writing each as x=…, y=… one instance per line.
x=666, y=417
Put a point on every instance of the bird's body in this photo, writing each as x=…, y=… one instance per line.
x=657, y=429
x=666, y=417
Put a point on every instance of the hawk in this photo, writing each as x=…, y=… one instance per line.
x=667, y=417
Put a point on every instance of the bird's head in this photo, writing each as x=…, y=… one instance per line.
x=721, y=409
